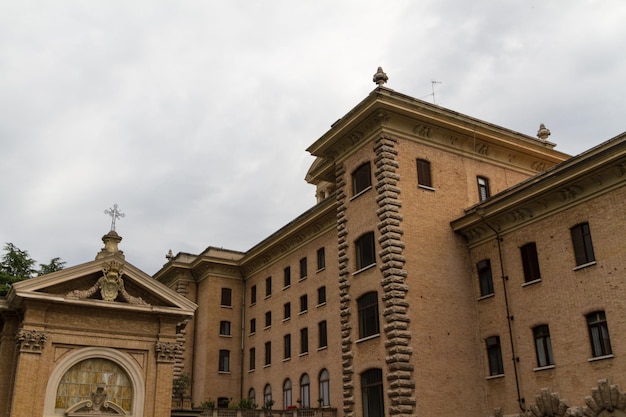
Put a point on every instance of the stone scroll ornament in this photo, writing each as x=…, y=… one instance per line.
x=110, y=285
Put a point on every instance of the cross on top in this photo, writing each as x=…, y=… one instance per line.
x=115, y=214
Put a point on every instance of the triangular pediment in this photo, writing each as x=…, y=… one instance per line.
x=108, y=282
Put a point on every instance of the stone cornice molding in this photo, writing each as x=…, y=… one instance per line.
x=31, y=341
x=587, y=176
x=167, y=352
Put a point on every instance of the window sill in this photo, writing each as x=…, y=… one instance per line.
x=322, y=348
x=600, y=358
x=225, y=306
x=286, y=319
x=425, y=187
x=583, y=266
x=252, y=304
x=498, y=376
x=303, y=312
x=267, y=327
x=287, y=359
x=250, y=371
x=286, y=287
x=320, y=269
x=251, y=333
x=303, y=354
x=363, y=191
x=302, y=279
x=268, y=296
x=223, y=372
x=321, y=305
x=484, y=297
x=370, y=266
x=365, y=339
x=267, y=366
x=526, y=284
x=543, y=368
x=226, y=335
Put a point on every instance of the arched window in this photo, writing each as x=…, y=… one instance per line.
x=305, y=391
x=267, y=396
x=252, y=395
x=287, y=395
x=324, y=388
x=372, y=393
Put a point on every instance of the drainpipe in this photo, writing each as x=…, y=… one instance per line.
x=509, y=317
x=243, y=330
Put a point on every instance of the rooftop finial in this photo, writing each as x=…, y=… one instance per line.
x=543, y=132
x=115, y=214
x=380, y=77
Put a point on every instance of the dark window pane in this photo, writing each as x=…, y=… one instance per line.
x=583, y=247
x=423, y=173
x=494, y=355
x=365, y=249
x=361, y=178
x=485, y=278
x=530, y=262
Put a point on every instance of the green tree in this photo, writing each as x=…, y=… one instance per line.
x=17, y=265
x=56, y=264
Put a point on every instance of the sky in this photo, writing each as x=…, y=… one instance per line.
x=194, y=116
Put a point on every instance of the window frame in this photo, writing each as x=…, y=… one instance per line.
x=424, y=174
x=322, y=329
x=321, y=295
x=287, y=277
x=321, y=259
x=287, y=393
x=226, y=297
x=287, y=346
x=485, y=277
x=484, y=192
x=494, y=356
x=305, y=391
x=324, y=380
x=224, y=361
x=253, y=295
x=304, y=341
x=268, y=287
x=361, y=179
x=287, y=311
x=252, y=325
x=225, y=328
x=304, y=303
x=368, y=317
x=599, y=337
x=543, y=346
x=268, y=319
x=268, y=353
x=582, y=244
x=372, y=395
x=252, y=359
x=303, y=268
x=530, y=262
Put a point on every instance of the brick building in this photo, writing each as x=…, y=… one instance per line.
x=449, y=267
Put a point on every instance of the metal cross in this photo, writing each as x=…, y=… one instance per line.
x=115, y=214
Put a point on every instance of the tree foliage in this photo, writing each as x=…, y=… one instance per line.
x=17, y=265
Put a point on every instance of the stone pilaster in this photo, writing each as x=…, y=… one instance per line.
x=401, y=393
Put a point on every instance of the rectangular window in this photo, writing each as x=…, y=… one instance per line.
x=268, y=286
x=365, y=249
x=583, y=248
x=287, y=346
x=530, y=262
x=368, y=315
x=226, y=297
x=494, y=354
x=287, y=277
x=286, y=311
x=485, y=279
x=321, y=259
x=224, y=328
x=303, y=268
x=599, y=334
x=252, y=326
x=253, y=294
x=252, y=365
x=321, y=295
x=268, y=353
x=423, y=173
x=543, y=346
x=304, y=340
x=224, y=363
x=268, y=318
x=304, y=303
x=483, y=188
x=323, y=334
x=361, y=179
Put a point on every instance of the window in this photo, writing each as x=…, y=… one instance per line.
x=583, y=248
x=304, y=304
x=224, y=328
x=372, y=393
x=483, y=188
x=361, y=179
x=530, y=262
x=268, y=286
x=543, y=347
x=423, y=173
x=224, y=364
x=287, y=276
x=323, y=334
x=368, y=315
x=252, y=395
x=303, y=268
x=252, y=359
x=305, y=391
x=226, y=297
x=287, y=396
x=321, y=259
x=365, y=251
x=287, y=311
x=268, y=318
x=253, y=294
x=324, y=388
x=222, y=402
x=287, y=346
x=268, y=353
x=252, y=326
x=321, y=295
x=494, y=355
x=267, y=396
x=304, y=340
x=485, y=279
x=599, y=334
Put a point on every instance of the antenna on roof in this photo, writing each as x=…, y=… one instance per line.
x=432, y=83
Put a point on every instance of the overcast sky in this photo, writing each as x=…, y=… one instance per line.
x=194, y=116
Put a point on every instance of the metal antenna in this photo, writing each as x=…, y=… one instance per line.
x=432, y=83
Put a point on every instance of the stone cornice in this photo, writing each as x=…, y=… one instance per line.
x=591, y=174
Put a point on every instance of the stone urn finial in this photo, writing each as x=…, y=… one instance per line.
x=380, y=77
x=543, y=132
